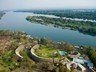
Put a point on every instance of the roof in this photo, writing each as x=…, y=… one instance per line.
x=82, y=61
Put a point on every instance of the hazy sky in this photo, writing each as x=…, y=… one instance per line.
x=39, y=4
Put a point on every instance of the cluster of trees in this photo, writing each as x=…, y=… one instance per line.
x=91, y=53
x=84, y=27
x=52, y=67
x=58, y=45
x=10, y=62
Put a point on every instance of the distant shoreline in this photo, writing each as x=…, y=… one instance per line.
x=54, y=16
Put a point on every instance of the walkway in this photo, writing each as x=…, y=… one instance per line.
x=33, y=55
x=18, y=50
x=37, y=58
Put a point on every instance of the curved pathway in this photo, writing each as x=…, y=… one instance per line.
x=17, y=51
x=37, y=58
x=33, y=55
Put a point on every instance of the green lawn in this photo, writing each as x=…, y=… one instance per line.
x=46, y=52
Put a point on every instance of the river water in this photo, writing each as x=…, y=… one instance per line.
x=17, y=21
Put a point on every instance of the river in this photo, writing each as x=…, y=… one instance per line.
x=17, y=21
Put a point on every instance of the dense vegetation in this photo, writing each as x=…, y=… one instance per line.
x=84, y=27
x=91, y=53
x=9, y=41
x=69, y=13
x=9, y=61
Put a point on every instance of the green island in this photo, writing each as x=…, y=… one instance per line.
x=81, y=26
x=59, y=54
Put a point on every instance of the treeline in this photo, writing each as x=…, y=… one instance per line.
x=84, y=27
x=69, y=13
x=75, y=14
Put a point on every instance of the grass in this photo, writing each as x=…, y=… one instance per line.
x=46, y=52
